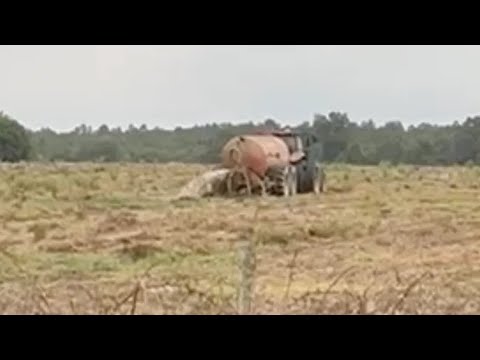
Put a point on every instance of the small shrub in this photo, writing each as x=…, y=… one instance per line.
x=327, y=230
x=139, y=251
x=340, y=189
x=323, y=232
x=51, y=186
x=273, y=237
x=39, y=231
x=80, y=213
x=470, y=164
x=94, y=184
x=114, y=175
x=372, y=228
x=385, y=211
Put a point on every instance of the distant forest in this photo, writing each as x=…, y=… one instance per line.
x=343, y=141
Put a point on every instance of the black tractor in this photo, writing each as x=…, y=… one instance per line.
x=307, y=155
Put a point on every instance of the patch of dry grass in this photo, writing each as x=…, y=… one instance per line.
x=90, y=238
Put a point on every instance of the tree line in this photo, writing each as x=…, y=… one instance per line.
x=343, y=141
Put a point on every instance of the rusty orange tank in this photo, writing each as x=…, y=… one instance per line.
x=256, y=152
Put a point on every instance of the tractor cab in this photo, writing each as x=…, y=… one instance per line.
x=306, y=153
x=302, y=144
x=293, y=141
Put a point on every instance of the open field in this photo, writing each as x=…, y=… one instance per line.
x=108, y=238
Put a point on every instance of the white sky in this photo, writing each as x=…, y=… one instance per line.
x=63, y=86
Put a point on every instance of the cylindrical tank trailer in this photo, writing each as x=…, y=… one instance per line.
x=260, y=162
x=257, y=153
x=276, y=163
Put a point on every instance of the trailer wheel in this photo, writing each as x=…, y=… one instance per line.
x=278, y=177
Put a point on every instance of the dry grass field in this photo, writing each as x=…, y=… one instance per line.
x=110, y=239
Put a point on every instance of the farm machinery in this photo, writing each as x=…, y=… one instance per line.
x=281, y=163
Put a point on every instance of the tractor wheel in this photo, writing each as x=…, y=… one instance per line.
x=285, y=188
x=292, y=180
x=319, y=181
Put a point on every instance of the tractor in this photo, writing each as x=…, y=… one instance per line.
x=281, y=163
x=307, y=151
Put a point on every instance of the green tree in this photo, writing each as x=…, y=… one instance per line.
x=104, y=149
x=14, y=140
x=341, y=140
x=354, y=155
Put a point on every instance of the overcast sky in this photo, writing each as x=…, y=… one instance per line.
x=63, y=86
